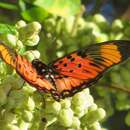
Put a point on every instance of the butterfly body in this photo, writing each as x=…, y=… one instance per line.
x=69, y=74
x=43, y=69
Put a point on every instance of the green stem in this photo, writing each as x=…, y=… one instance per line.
x=82, y=10
x=50, y=123
x=8, y=6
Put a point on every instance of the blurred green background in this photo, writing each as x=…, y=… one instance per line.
x=68, y=25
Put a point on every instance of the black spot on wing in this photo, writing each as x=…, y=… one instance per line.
x=79, y=65
x=65, y=64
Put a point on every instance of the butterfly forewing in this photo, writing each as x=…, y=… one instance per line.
x=87, y=65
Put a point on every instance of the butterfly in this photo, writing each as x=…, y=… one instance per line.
x=69, y=74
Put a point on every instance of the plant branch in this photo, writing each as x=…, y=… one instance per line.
x=117, y=87
x=124, y=89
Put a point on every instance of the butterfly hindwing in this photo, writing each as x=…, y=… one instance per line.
x=24, y=68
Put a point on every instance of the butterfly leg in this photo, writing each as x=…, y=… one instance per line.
x=55, y=95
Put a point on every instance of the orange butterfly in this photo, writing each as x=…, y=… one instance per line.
x=71, y=73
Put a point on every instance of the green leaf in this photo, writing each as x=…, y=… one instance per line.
x=34, y=14
x=5, y=29
x=8, y=6
x=62, y=8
